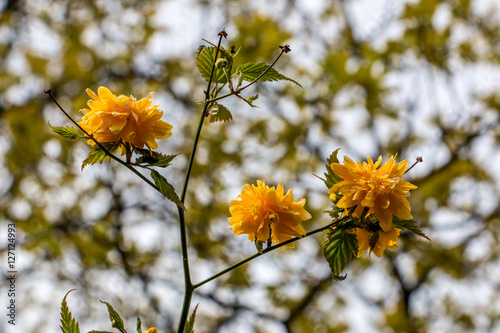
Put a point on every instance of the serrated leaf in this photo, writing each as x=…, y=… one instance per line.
x=205, y=60
x=166, y=189
x=189, y=328
x=116, y=320
x=340, y=248
x=330, y=177
x=219, y=112
x=66, y=132
x=410, y=225
x=139, y=324
x=69, y=324
x=99, y=155
x=252, y=70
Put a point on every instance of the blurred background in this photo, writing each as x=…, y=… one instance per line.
x=412, y=78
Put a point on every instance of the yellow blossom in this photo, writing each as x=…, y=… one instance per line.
x=151, y=330
x=111, y=118
x=264, y=213
x=385, y=239
x=381, y=190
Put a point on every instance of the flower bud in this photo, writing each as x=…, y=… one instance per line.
x=221, y=63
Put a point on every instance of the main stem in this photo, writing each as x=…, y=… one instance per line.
x=188, y=285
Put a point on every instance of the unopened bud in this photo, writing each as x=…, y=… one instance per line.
x=221, y=63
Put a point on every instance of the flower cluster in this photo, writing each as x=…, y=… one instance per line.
x=381, y=191
x=113, y=118
x=266, y=213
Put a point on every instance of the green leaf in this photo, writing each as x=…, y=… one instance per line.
x=153, y=158
x=139, y=325
x=252, y=70
x=219, y=112
x=116, y=320
x=69, y=324
x=340, y=248
x=66, y=132
x=189, y=328
x=205, y=60
x=330, y=177
x=99, y=155
x=166, y=189
x=410, y=225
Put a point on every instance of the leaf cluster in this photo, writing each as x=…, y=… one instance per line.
x=220, y=71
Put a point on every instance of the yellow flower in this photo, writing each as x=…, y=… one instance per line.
x=382, y=191
x=112, y=118
x=151, y=330
x=385, y=239
x=267, y=213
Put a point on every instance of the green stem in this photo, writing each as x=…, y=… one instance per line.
x=131, y=168
x=269, y=249
x=188, y=285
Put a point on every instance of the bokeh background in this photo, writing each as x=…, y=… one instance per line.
x=412, y=78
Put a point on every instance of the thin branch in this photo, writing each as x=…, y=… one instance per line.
x=267, y=250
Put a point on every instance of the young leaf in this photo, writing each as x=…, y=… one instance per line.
x=139, y=325
x=69, y=324
x=99, y=155
x=116, y=320
x=219, y=112
x=153, y=158
x=189, y=328
x=250, y=99
x=259, y=245
x=166, y=189
x=205, y=60
x=66, y=132
x=330, y=177
x=340, y=248
x=410, y=225
x=252, y=70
